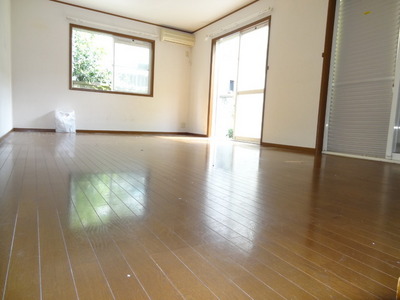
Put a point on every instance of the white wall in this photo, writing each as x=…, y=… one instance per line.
x=40, y=32
x=295, y=64
x=5, y=69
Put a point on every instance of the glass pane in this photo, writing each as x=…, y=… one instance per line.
x=227, y=52
x=131, y=68
x=92, y=56
x=253, y=58
x=249, y=110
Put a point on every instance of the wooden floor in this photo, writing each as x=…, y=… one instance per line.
x=142, y=217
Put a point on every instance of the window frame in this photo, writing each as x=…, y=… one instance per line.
x=151, y=69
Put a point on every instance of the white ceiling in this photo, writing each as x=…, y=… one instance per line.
x=187, y=15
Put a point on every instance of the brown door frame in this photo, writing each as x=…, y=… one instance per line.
x=326, y=64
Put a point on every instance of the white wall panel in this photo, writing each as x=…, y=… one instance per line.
x=40, y=31
x=5, y=68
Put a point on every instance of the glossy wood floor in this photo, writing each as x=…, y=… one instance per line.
x=141, y=217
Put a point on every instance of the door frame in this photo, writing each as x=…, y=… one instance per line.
x=211, y=95
x=326, y=69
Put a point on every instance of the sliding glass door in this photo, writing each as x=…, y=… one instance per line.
x=251, y=83
x=239, y=84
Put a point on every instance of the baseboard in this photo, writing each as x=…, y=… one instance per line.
x=2, y=138
x=113, y=132
x=139, y=132
x=33, y=130
x=197, y=135
x=291, y=148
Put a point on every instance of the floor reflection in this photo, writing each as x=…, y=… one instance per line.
x=64, y=144
x=232, y=189
x=101, y=198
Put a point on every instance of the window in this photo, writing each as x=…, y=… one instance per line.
x=108, y=62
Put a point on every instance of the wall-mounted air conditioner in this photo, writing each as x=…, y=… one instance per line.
x=175, y=36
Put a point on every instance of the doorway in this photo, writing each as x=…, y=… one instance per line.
x=238, y=83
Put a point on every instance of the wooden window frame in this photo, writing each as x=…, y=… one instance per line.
x=152, y=60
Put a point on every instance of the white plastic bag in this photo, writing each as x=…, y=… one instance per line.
x=65, y=121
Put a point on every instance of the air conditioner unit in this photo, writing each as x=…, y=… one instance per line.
x=178, y=37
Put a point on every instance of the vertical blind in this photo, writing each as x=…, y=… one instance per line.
x=362, y=77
